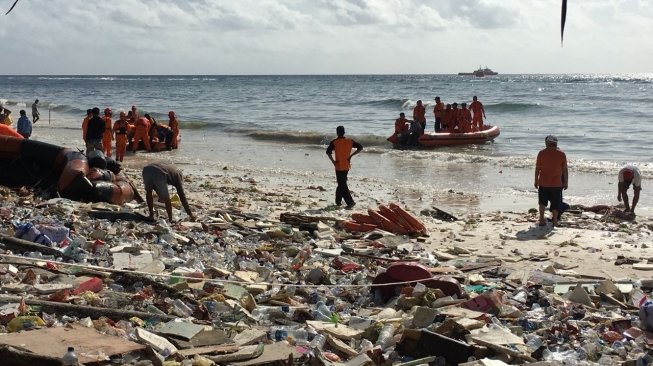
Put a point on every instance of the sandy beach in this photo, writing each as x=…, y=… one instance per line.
x=587, y=244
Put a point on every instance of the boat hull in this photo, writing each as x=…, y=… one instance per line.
x=436, y=139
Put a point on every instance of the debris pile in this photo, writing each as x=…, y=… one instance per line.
x=251, y=287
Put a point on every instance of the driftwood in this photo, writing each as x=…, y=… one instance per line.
x=94, y=312
x=245, y=353
x=297, y=219
x=22, y=246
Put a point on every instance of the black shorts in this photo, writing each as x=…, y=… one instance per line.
x=550, y=194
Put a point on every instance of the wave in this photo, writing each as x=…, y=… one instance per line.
x=512, y=107
x=394, y=103
x=311, y=138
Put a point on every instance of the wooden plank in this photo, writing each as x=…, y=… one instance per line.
x=220, y=349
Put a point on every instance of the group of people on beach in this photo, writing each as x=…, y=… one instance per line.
x=24, y=125
x=129, y=129
x=448, y=118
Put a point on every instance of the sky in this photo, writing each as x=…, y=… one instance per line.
x=244, y=37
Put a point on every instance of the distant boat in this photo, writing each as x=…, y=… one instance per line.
x=481, y=72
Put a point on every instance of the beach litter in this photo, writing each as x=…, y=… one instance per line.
x=259, y=281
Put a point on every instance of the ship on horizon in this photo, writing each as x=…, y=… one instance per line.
x=481, y=72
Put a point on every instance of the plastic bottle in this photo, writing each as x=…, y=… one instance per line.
x=180, y=308
x=359, y=322
x=386, y=338
x=317, y=342
x=322, y=312
x=70, y=358
x=301, y=257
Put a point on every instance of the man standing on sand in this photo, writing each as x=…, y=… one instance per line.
x=551, y=177
x=94, y=131
x=35, y=112
x=157, y=177
x=478, y=113
x=627, y=175
x=342, y=147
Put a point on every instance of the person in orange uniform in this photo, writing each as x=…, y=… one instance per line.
x=342, y=147
x=135, y=115
x=89, y=114
x=455, y=118
x=402, y=126
x=107, y=138
x=142, y=133
x=479, y=113
x=120, y=129
x=438, y=112
x=446, y=119
x=419, y=115
x=551, y=177
x=465, y=118
x=174, y=125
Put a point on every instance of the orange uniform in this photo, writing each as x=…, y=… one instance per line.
x=438, y=113
x=419, y=115
x=142, y=129
x=85, y=127
x=107, y=137
x=401, y=125
x=550, y=164
x=478, y=110
x=465, y=120
x=121, y=128
x=174, y=126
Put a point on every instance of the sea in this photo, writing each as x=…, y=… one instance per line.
x=281, y=124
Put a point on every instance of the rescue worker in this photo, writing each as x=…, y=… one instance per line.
x=135, y=116
x=120, y=129
x=465, y=118
x=438, y=112
x=94, y=131
x=627, y=175
x=402, y=126
x=551, y=177
x=419, y=115
x=107, y=138
x=447, y=119
x=455, y=125
x=141, y=133
x=342, y=147
x=174, y=126
x=478, y=113
x=89, y=114
x=157, y=177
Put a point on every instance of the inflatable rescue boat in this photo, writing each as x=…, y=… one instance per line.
x=434, y=139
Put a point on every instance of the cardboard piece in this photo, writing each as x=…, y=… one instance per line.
x=183, y=330
x=158, y=343
x=579, y=296
x=52, y=342
x=219, y=349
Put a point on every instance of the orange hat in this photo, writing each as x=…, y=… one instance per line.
x=628, y=175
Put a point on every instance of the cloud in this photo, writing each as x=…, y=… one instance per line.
x=320, y=36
